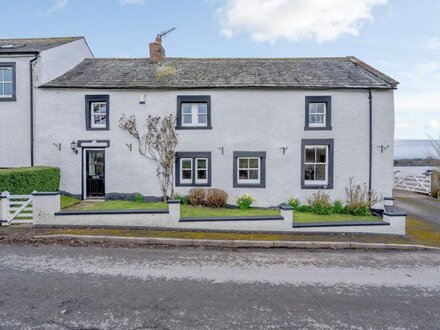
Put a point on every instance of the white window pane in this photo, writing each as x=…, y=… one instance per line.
x=243, y=175
x=319, y=119
x=1, y=89
x=320, y=172
x=187, y=119
x=7, y=75
x=201, y=163
x=320, y=107
x=312, y=108
x=186, y=174
x=309, y=172
x=253, y=174
x=243, y=162
x=321, y=154
x=203, y=119
x=7, y=89
x=186, y=163
x=310, y=155
x=253, y=163
x=186, y=108
x=202, y=108
x=201, y=174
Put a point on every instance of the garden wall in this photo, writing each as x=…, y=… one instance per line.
x=47, y=213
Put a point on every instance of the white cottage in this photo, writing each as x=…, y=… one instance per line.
x=271, y=128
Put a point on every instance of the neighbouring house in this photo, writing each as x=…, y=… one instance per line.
x=269, y=127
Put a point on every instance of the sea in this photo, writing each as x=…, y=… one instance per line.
x=412, y=149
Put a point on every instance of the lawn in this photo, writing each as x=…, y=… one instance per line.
x=188, y=211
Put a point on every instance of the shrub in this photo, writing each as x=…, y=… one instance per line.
x=245, y=201
x=216, y=198
x=319, y=203
x=25, y=180
x=359, y=200
x=294, y=203
x=138, y=198
x=182, y=198
x=303, y=208
x=338, y=207
x=196, y=196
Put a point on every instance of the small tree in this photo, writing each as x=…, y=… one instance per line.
x=158, y=144
x=435, y=143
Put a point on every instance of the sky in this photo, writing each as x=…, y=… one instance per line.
x=399, y=37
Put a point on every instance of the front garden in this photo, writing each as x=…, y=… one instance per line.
x=201, y=203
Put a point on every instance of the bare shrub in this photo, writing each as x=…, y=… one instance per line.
x=320, y=203
x=216, y=198
x=196, y=196
x=359, y=199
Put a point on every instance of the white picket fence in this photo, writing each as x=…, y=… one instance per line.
x=16, y=208
x=412, y=182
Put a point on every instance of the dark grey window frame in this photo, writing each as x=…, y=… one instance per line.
x=193, y=99
x=97, y=98
x=328, y=112
x=331, y=146
x=193, y=155
x=14, y=82
x=259, y=154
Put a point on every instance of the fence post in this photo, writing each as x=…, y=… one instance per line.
x=5, y=213
x=45, y=205
x=435, y=184
x=287, y=213
x=174, y=209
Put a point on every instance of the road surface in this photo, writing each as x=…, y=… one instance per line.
x=59, y=287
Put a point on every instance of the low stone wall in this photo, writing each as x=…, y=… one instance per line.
x=47, y=213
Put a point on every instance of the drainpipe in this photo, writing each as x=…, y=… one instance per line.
x=31, y=77
x=370, y=170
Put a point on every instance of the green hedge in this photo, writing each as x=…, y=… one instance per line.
x=25, y=180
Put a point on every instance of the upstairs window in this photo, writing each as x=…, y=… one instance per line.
x=193, y=112
x=193, y=169
x=318, y=113
x=97, y=112
x=7, y=82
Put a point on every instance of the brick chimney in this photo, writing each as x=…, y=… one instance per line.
x=157, y=52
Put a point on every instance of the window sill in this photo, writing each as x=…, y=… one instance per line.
x=193, y=185
x=308, y=128
x=8, y=99
x=316, y=186
x=249, y=185
x=193, y=127
x=97, y=129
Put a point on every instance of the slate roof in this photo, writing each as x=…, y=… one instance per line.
x=197, y=73
x=9, y=46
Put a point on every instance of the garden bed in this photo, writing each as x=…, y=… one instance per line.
x=188, y=211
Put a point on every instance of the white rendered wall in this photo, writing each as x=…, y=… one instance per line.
x=242, y=120
x=15, y=146
x=15, y=118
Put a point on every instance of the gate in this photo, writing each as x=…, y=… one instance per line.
x=412, y=182
x=16, y=208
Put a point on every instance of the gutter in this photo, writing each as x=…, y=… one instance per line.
x=370, y=169
x=31, y=84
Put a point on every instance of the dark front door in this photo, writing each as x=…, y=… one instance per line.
x=95, y=173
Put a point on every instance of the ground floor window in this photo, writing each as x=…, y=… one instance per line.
x=249, y=169
x=193, y=169
x=317, y=163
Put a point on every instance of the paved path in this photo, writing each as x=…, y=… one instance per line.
x=55, y=287
x=418, y=206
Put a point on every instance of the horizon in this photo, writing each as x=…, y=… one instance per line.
x=399, y=38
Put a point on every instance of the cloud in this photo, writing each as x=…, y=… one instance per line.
x=57, y=5
x=132, y=2
x=295, y=20
x=433, y=124
x=432, y=44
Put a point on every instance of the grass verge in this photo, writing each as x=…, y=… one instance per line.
x=67, y=201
